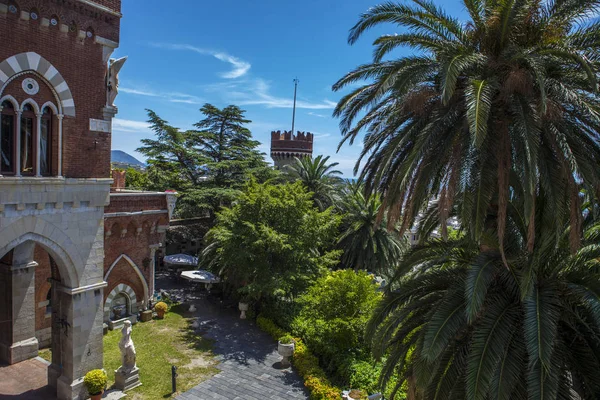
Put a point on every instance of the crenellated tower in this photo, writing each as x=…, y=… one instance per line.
x=286, y=146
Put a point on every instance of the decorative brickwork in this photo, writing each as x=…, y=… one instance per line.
x=286, y=146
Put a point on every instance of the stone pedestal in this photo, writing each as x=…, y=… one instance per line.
x=146, y=316
x=127, y=380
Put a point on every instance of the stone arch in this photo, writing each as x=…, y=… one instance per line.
x=32, y=103
x=128, y=291
x=30, y=61
x=30, y=228
x=137, y=271
x=51, y=106
x=11, y=99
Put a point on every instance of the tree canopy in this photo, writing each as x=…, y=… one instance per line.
x=272, y=241
x=207, y=165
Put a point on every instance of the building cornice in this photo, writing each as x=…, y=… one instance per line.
x=101, y=8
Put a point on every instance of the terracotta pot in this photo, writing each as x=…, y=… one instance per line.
x=160, y=314
x=97, y=396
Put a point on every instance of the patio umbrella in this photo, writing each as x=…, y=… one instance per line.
x=180, y=260
x=200, y=276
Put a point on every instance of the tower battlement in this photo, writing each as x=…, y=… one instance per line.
x=286, y=146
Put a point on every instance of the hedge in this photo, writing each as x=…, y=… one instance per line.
x=306, y=363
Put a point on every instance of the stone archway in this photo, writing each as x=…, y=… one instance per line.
x=30, y=61
x=76, y=312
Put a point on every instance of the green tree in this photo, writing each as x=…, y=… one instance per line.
x=208, y=166
x=366, y=242
x=458, y=324
x=136, y=179
x=501, y=105
x=272, y=241
x=318, y=177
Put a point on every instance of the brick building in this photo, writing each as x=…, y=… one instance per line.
x=75, y=254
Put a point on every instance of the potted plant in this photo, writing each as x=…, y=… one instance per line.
x=95, y=382
x=285, y=348
x=161, y=308
x=243, y=306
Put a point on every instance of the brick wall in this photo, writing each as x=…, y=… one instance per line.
x=142, y=232
x=42, y=273
x=79, y=61
x=131, y=202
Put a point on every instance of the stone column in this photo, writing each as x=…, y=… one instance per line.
x=80, y=323
x=151, y=286
x=60, y=144
x=18, y=337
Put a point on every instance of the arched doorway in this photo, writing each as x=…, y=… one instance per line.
x=75, y=312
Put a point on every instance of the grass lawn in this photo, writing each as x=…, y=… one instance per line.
x=160, y=344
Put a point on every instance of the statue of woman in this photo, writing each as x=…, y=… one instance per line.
x=127, y=349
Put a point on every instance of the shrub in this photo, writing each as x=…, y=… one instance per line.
x=95, y=381
x=306, y=363
x=335, y=312
x=364, y=375
x=286, y=339
x=161, y=306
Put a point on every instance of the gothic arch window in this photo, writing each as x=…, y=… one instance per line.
x=46, y=141
x=27, y=136
x=7, y=138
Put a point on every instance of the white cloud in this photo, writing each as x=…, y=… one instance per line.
x=240, y=67
x=173, y=97
x=257, y=92
x=317, y=115
x=127, y=125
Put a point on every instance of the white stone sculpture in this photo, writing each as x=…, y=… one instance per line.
x=127, y=376
x=112, y=80
x=127, y=348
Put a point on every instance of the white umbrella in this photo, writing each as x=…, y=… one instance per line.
x=200, y=276
x=180, y=259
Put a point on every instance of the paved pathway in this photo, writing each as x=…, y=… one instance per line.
x=249, y=362
x=26, y=380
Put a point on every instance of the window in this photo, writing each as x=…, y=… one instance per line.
x=27, y=129
x=46, y=142
x=49, y=300
x=7, y=139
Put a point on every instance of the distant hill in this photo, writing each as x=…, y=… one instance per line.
x=122, y=158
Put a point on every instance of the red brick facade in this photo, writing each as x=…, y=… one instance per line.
x=64, y=46
x=79, y=61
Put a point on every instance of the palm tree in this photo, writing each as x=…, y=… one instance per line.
x=318, y=177
x=457, y=324
x=498, y=107
x=366, y=244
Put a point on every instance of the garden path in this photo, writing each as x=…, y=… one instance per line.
x=249, y=362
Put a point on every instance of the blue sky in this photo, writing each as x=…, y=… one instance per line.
x=186, y=53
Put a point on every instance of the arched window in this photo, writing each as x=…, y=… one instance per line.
x=7, y=139
x=49, y=300
x=27, y=137
x=46, y=142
